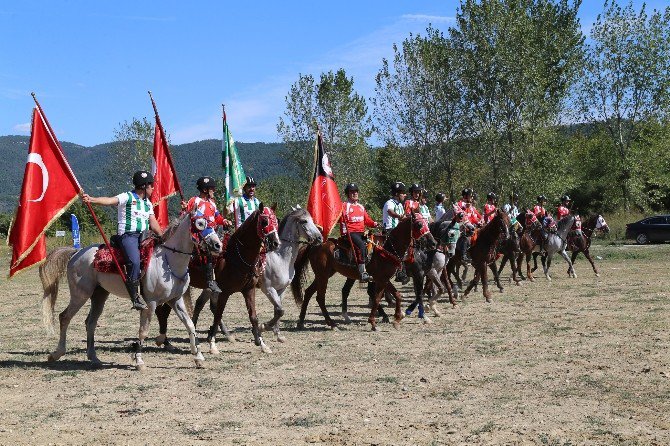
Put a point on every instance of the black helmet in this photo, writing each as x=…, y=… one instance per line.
x=205, y=183
x=491, y=196
x=249, y=182
x=440, y=197
x=565, y=198
x=541, y=198
x=414, y=188
x=515, y=196
x=141, y=178
x=465, y=192
x=351, y=187
x=398, y=187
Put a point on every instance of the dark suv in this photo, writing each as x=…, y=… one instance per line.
x=650, y=229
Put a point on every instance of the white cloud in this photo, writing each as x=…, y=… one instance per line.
x=430, y=18
x=22, y=128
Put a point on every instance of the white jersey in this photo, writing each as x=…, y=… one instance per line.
x=425, y=212
x=511, y=210
x=391, y=222
x=133, y=213
x=242, y=207
x=439, y=212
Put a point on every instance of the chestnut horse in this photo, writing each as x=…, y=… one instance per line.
x=528, y=244
x=483, y=251
x=582, y=243
x=384, y=263
x=237, y=271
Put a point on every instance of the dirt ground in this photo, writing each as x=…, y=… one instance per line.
x=571, y=362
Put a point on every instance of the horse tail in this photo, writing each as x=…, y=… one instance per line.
x=51, y=271
x=188, y=301
x=300, y=276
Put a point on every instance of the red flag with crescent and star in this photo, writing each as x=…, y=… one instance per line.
x=324, y=202
x=164, y=177
x=49, y=188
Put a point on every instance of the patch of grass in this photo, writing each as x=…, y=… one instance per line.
x=230, y=424
x=450, y=395
x=488, y=427
x=308, y=421
x=387, y=379
x=54, y=375
x=545, y=439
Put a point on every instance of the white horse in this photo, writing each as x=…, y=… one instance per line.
x=557, y=242
x=166, y=279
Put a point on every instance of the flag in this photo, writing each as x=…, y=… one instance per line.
x=165, y=177
x=49, y=188
x=76, y=241
x=232, y=166
x=324, y=202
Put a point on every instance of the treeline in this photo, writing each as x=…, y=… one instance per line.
x=512, y=98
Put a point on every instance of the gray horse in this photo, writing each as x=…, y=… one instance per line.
x=166, y=279
x=557, y=242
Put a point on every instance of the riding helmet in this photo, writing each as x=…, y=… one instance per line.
x=142, y=178
x=250, y=182
x=204, y=183
x=491, y=196
x=440, y=197
x=398, y=187
x=414, y=188
x=466, y=192
x=565, y=198
x=541, y=198
x=351, y=187
x=515, y=196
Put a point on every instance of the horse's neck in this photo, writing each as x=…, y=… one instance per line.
x=401, y=242
x=564, y=232
x=289, y=246
x=247, y=237
x=179, y=241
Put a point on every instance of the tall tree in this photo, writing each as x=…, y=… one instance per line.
x=132, y=149
x=626, y=86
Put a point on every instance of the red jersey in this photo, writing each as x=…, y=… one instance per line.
x=411, y=206
x=577, y=225
x=354, y=218
x=472, y=214
x=489, y=212
x=461, y=204
x=561, y=212
x=539, y=211
x=205, y=208
x=530, y=219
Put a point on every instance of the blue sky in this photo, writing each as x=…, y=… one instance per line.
x=91, y=63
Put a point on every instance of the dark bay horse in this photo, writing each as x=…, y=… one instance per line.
x=528, y=244
x=483, y=251
x=582, y=243
x=510, y=250
x=237, y=271
x=383, y=265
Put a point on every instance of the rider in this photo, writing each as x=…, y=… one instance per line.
x=452, y=233
x=439, y=206
x=466, y=195
x=423, y=207
x=205, y=206
x=490, y=206
x=242, y=207
x=412, y=204
x=564, y=209
x=353, y=222
x=543, y=216
x=393, y=209
x=135, y=214
x=512, y=208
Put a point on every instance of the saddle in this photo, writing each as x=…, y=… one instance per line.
x=572, y=238
x=344, y=253
x=103, y=262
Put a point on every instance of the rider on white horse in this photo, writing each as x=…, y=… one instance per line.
x=203, y=205
x=135, y=216
x=242, y=207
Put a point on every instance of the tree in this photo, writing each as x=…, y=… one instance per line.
x=626, y=86
x=132, y=149
x=341, y=113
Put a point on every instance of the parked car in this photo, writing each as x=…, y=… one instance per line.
x=650, y=229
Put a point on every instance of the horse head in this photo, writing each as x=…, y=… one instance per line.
x=204, y=237
x=503, y=223
x=267, y=227
x=421, y=230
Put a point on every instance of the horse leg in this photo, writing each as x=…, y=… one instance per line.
x=379, y=292
x=250, y=300
x=519, y=261
x=274, y=296
x=529, y=272
x=162, y=314
x=77, y=299
x=145, y=320
x=535, y=254
x=213, y=300
x=199, y=305
x=496, y=276
x=570, y=267
x=309, y=292
x=435, y=289
x=222, y=300
x=371, y=297
x=472, y=283
x=321, y=300
x=346, y=289
x=546, y=264
x=97, y=305
x=182, y=314
x=590, y=259
x=481, y=268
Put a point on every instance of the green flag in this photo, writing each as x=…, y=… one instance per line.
x=232, y=166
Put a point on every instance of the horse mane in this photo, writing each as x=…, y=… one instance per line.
x=243, y=229
x=174, y=224
x=295, y=212
x=563, y=222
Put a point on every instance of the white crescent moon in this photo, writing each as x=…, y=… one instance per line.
x=37, y=159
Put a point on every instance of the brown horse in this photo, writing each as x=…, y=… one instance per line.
x=510, y=249
x=528, y=244
x=383, y=264
x=582, y=243
x=483, y=251
x=238, y=270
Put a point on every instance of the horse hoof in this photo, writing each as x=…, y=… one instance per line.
x=199, y=364
x=262, y=327
x=488, y=300
x=265, y=349
x=168, y=347
x=346, y=318
x=436, y=313
x=214, y=350
x=230, y=338
x=501, y=289
x=300, y=326
x=141, y=367
x=374, y=328
x=281, y=338
x=426, y=320
x=52, y=358
x=396, y=325
x=597, y=274
x=334, y=327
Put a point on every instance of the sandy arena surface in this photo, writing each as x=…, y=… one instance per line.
x=571, y=362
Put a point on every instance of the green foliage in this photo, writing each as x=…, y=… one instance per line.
x=5, y=222
x=132, y=149
x=286, y=191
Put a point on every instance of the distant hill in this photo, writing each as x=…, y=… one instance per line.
x=192, y=160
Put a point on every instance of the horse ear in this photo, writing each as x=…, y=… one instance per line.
x=297, y=206
x=274, y=207
x=260, y=206
x=293, y=209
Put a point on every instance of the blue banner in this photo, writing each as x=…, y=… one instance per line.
x=75, y=231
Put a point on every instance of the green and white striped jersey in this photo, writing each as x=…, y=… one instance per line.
x=133, y=213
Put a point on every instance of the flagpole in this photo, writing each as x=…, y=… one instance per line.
x=166, y=149
x=81, y=190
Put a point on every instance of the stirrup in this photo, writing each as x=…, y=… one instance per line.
x=139, y=304
x=213, y=286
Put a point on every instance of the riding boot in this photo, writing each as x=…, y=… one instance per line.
x=365, y=277
x=211, y=283
x=134, y=291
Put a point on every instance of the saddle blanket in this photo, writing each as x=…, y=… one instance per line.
x=103, y=262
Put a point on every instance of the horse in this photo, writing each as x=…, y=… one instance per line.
x=165, y=280
x=582, y=243
x=510, y=249
x=384, y=263
x=483, y=251
x=528, y=244
x=238, y=270
x=557, y=242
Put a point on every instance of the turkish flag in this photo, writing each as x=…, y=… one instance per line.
x=49, y=188
x=324, y=202
x=164, y=177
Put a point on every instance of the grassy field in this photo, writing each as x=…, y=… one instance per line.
x=571, y=362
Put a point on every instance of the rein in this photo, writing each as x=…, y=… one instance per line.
x=177, y=251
